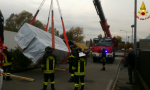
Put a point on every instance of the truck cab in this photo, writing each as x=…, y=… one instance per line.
x=98, y=45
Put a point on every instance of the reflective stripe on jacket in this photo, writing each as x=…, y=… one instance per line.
x=49, y=65
x=6, y=63
x=80, y=67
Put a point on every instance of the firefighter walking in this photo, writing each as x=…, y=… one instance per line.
x=48, y=66
x=79, y=65
x=70, y=61
x=103, y=59
x=7, y=63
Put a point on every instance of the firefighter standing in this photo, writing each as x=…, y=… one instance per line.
x=70, y=60
x=103, y=59
x=7, y=63
x=48, y=66
x=79, y=68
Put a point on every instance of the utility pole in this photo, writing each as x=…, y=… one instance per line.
x=132, y=32
x=135, y=42
x=128, y=38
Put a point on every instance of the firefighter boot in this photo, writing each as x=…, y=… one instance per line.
x=82, y=87
x=103, y=69
x=44, y=87
x=52, y=87
x=76, y=88
x=8, y=77
x=71, y=79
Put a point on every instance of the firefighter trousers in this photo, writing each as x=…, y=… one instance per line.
x=77, y=81
x=46, y=78
x=7, y=69
x=103, y=64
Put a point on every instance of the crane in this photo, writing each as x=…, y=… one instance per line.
x=109, y=43
x=103, y=21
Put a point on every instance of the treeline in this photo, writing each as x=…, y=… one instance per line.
x=16, y=21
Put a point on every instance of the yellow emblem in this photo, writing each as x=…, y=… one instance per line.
x=143, y=10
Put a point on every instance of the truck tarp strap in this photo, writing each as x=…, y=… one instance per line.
x=64, y=32
x=37, y=12
x=48, y=17
x=53, y=39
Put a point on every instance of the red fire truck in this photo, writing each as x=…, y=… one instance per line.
x=109, y=43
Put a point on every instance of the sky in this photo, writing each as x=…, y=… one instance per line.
x=82, y=13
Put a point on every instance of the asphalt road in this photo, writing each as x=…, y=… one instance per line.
x=95, y=79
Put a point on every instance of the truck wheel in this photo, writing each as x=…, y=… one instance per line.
x=94, y=59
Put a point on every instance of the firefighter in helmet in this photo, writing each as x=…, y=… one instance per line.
x=103, y=58
x=70, y=61
x=79, y=65
x=7, y=63
x=48, y=67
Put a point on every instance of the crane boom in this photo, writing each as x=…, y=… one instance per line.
x=103, y=21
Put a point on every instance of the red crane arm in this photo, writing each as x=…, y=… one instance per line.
x=103, y=21
x=105, y=28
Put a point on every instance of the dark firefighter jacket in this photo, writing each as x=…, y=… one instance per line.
x=79, y=65
x=48, y=63
x=131, y=59
x=71, y=58
x=103, y=58
x=8, y=58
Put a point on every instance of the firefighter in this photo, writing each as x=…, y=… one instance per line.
x=70, y=61
x=48, y=67
x=79, y=68
x=103, y=59
x=7, y=63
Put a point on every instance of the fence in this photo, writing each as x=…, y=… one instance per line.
x=143, y=70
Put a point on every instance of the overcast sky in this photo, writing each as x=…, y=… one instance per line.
x=82, y=13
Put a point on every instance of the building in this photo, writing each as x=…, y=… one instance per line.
x=9, y=39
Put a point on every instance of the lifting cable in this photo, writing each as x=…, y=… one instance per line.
x=53, y=41
x=64, y=32
x=37, y=12
x=52, y=24
x=48, y=17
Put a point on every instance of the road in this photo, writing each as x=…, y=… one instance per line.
x=95, y=79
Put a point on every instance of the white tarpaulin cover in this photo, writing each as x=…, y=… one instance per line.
x=33, y=42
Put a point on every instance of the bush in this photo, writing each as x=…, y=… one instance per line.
x=20, y=61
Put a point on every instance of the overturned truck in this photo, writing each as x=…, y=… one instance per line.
x=32, y=42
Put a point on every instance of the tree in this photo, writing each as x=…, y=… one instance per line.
x=100, y=36
x=121, y=45
x=77, y=34
x=91, y=43
x=16, y=21
x=55, y=31
x=69, y=35
x=119, y=38
x=74, y=34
